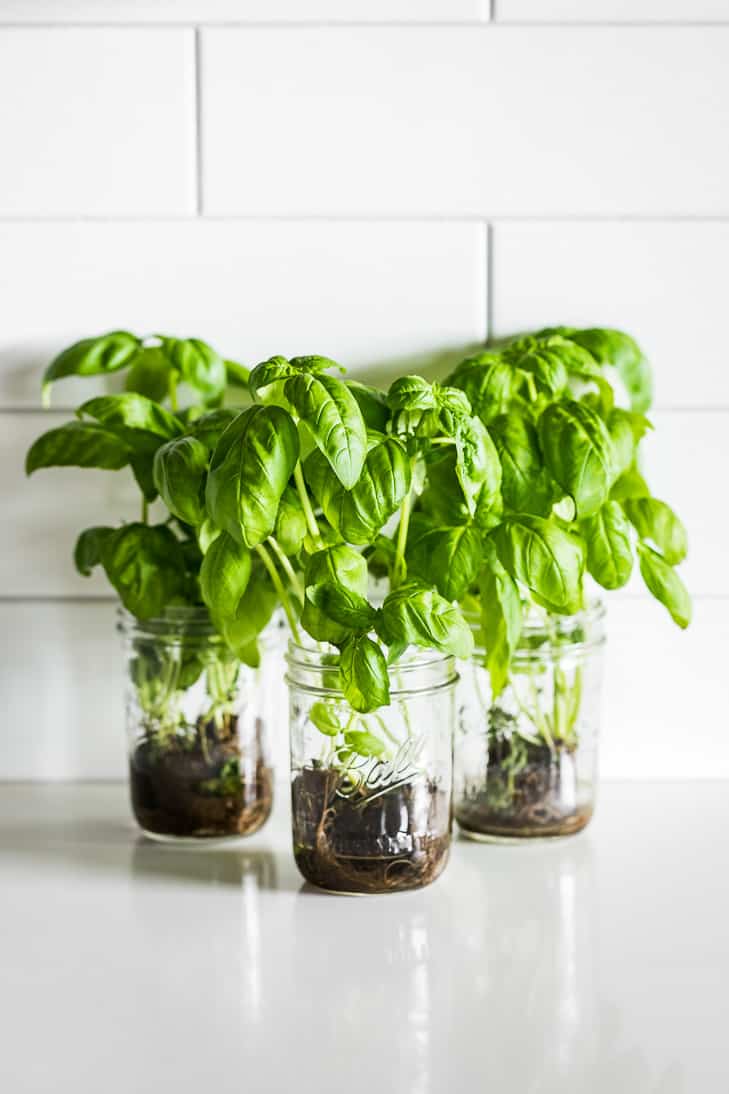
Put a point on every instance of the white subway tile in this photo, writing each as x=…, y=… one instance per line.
x=666, y=693
x=665, y=708
x=664, y=282
x=97, y=122
x=361, y=293
x=468, y=121
x=612, y=11
x=235, y=11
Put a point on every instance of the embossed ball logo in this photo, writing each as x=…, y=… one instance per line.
x=368, y=777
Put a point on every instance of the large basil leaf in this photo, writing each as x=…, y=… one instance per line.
x=342, y=605
x=338, y=565
x=199, y=366
x=415, y=614
x=656, y=522
x=609, y=549
x=448, y=558
x=224, y=576
x=488, y=383
x=501, y=620
x=146, y=566
x=249, y=471
x=78, y=444
x=359, y=514
x=87, y=552
x=91, y=356
x=330, y=413
x=180, y=467
x=614, y=347
x=525, y=484
x=363, y=675
x=254, y=612
x=545, y=558
x=665, y=585
x=443, y=498
x=578, y=453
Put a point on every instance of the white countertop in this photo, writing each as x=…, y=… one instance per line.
x=595, y=965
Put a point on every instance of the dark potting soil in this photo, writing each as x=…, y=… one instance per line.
x=538, y=800
x=398, y=840
x=199, y=792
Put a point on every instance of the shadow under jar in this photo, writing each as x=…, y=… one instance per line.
x=198, y=723
x=371, y=793
x=525, y=761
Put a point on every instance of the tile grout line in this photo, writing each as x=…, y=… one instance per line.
x=487, y=21
x=198, y=125
x=659, y=219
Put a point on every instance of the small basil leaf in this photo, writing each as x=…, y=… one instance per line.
x=324, y=717
x=209, y=428
x=291, y=529
x=488, y=383
x=609, y=549
x=146, y=566
x=545, y=558
x=478, y=467
x=149, y=374
x=543, y=359
x=501, y=620
x=448, y=558
x=578, y=453
x=314, y=362
x=614, y=347
x=180, y=468
x=417, y=615
x=198, y=364
x=237, y=375
x=443, y=498
x=411, y=393
x=130, y=415
x=249, y=471
x=339, y=565
x=342, y=605
x=254, y=611
x=665, y=585
x=656, y=522
x=78, y=444
x=331, y=414
x=631, y=484
x=92, y=356
x=224, y=576
x=87, y=552
x=372, y=403
x=267, y=379
x=365, y=685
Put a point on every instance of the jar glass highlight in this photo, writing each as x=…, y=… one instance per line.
x=198, y=726
x=371, y=793
x=526, y=760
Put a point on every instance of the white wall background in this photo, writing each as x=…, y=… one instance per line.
x=379, y=181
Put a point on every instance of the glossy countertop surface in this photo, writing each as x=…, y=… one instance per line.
x=596, y=964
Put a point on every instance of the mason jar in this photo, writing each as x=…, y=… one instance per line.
x=198, y=726
x=526, y=760
x=371, y=793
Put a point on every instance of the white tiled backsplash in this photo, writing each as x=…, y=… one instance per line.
x=386, y=182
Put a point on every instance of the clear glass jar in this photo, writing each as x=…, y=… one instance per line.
x=371, y=793
x=198, y=725
x=525, y=762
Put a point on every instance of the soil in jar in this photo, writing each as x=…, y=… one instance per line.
x=537, y=799
x=200, y=786
x=394, y=841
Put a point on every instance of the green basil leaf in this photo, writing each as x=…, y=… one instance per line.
x=146, y=566
x=614, y=347
x=92, y=356
x=291, y=528
x=224, y=576
x=609, y=549
x=665, y=585
x=338, y=565
x=372, y=404
x=207, y=533
x=359, y=514
x=142, y=465
x=255, y=609
x=331, y=415
x=631, y=484
x=209, y=428
x=657, y=523
x=78, y=444
x=149, y=374
x=249, y=471
x=448, y=558
x=488, y=383
x=478, y=467
x=180, y=468
x=541, y=358
x=266, y=382
x=414, y=614
x=314, y=362
x=411, y=393
x=87, y=552
x=623, y=439
x=443, y=498
x=545, y=558
x=237, y=375
x=364, y=743
x=199, y=366
x=578, y=453
x=136, y=419
x=525, y=483
x=342, y=605
x=324, y=717
x=365, y=685
x=501, y=620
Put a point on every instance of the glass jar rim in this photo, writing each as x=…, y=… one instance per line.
x=306, y=658
x=559, y=634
